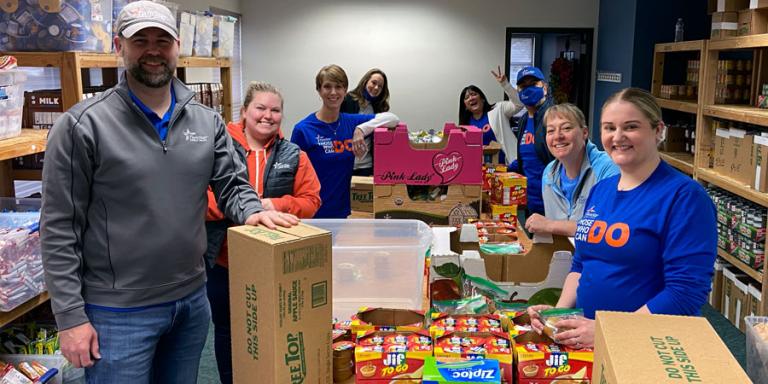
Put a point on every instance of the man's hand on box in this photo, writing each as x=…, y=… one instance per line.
x=272, y=219
x=538, y=224
x=578, y=333
x=80, y=345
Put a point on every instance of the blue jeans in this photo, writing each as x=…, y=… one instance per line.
x=159, y=344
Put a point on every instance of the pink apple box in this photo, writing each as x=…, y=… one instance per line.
x=457, y=159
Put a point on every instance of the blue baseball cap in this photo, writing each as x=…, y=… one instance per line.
x=530, y=71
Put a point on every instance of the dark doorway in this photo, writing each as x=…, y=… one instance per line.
x=563, y=54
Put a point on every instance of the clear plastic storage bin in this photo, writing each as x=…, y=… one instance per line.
x=757, y=350
x=377, y=263
x=11, y=102
x=21, y=266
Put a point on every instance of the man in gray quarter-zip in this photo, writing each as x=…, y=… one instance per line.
x=124, y=202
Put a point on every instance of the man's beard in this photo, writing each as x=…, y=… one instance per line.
x=152, y=80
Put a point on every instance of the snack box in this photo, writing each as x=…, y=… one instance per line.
x=391, y=356
x=541, y=360
x=503, y=212
x=443, y=323
x=478, y=345
x=509, y=188
x=386, y=319
x=488, y=174
x=457, y=159
x=461, y=371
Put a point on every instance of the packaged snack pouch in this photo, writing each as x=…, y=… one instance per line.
x=469, y=305
x=551, y=316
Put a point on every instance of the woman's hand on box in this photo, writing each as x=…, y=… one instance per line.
x=358, y=143
x=578, y=333
x=533, y=313
x=538, y=224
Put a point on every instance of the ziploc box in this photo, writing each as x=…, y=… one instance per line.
x=458, y=371
x=56, y=25
x=457, y=159
x=478, y=345
x=634, y=348
x=390, y=357
x=541, y=360
x=280, y=293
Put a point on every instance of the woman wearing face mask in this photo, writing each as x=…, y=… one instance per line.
x=648, y=237
x=492, y=119
x=333, y=139
x=371, y=96
x=285, y=180
x=532, y=152
x=567, y=180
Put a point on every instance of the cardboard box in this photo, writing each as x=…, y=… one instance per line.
x=729, y=293
x=640, y=348
x=716, y=293
x=457, y=159
x=740, y=297
x=674, y=140
x=752, y=22
x=740, y=154
x=727, y=5
x=390, y=357
x=503, y=212
x=755, y=300
x=760, y=158
x=386, y=319
x=443, y=323
x=280, y=293
x=361, y=193
x=479, y=345
x=757, y=4
x=491, y=153
x=509, y=188
x=540, y=360
x=724, y=24
x=722, y=143
x=460, y=204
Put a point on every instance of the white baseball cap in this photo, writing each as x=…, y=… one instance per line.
x=145, y=14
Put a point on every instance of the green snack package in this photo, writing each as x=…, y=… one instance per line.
x=474, y=286
x=466, y=306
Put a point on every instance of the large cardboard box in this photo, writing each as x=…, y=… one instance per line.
x=280, y=304
x=728, y=5
x=740, y=297
x=458, y=205
x=674, y=140
x=741, y=152
x=361, y=193
x=641, y=348
x=722, y=143
x=752, y=22
x=728, y=291
x=716, y=293
x=725, y=24
x=755, y=300
x=760, y=159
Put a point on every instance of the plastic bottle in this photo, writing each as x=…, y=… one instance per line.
x=679, y=30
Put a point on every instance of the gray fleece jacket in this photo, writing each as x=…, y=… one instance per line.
x=123, y=213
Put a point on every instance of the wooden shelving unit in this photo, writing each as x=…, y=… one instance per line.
x=680, y=160
x=708, y=111
x=7, y=317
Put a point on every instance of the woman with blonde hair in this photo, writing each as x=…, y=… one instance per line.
x=647, y=240
x=567, y=180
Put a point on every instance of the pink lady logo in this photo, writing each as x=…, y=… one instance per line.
x=448, y=165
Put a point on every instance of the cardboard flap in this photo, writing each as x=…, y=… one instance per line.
x=390, y=317
x=279, y=235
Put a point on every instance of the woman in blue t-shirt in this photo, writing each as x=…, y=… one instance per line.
x=332, y=139
x=492, y=119
x=647, y=240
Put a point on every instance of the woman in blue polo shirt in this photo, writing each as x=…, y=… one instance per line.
x=647, y=240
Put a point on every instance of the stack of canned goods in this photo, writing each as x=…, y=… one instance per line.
x=734, y=79
x=741, y=227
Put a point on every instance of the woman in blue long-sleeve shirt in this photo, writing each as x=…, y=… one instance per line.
x=647, y=240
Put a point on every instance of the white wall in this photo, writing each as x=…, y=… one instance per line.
x=430, y=49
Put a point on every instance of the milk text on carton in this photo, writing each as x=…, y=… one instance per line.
x=294, y=358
